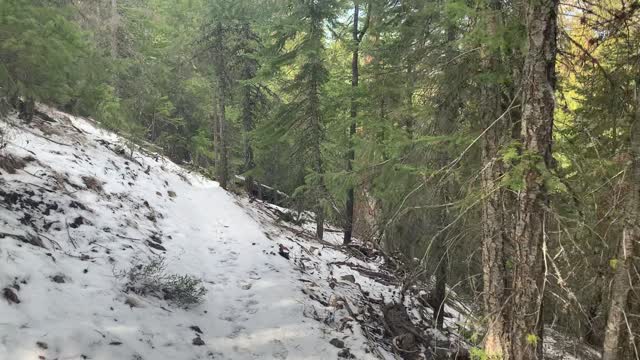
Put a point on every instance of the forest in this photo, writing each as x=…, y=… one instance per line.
x=494, y=145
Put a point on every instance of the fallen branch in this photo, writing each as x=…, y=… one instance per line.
x=36, y=134
x=29, y=239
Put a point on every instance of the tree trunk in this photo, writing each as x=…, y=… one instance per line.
x=248, y=113
x=537, y=123
x=317, y=161
x=493, y=257
x=445, y=126
x=348, y=228
x=222, y=164
x=621, y=283
x=114, y=29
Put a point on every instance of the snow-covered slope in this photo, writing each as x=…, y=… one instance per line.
x=79, y=208
x=95, y=211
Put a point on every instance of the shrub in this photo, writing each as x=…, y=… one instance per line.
x=151, y=279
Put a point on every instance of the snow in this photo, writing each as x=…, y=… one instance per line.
x=254, y=307
x=97, y=206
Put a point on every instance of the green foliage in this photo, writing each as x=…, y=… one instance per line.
x=478, y=354
x=39, y=50
x=532, y=339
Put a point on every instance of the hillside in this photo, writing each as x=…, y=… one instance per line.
x=80, y=207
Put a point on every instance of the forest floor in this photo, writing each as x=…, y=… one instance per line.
x=79, y=209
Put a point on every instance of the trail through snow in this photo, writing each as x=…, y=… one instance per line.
x=254, y=308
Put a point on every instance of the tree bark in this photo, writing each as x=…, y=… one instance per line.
x=537, y=123
x=445, y=126
x=114, y=29
x=493, y=258
x=315, y=118
x=249, y=105
x=356, y=38
x=222, y=163
x=621, y=283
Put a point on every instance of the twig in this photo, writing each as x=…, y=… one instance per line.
x=73, y=242
x=53, y=242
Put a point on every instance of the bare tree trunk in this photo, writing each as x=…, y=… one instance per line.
x=223, y=163
x=493, y=258
x=537, y=123
x=445, y=126
x=220, y=64
x=317, y=160
x=248, y=112
x=348, y=227
x=621, y=283
x=357, y=35
x=114, y=29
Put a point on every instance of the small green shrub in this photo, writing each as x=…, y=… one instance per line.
x=151, y=279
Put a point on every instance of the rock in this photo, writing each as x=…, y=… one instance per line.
x=156, y=246
x=58, y=279
x=77, y=222
x=337, y=343
x=115, y=343
x=196, y=329
x=349, y=278
x=11, y=296
x=283, y=251
x=346, y=354
x=197, y=341
x=171, y=193
x=42, y=345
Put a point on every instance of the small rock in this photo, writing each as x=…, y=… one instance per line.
x=337, y=343
x=42, y=345
x=156, y=246
x=11, y=296
x=349, y=278
x=171, y=193
x=196, y=329
x=115, y=343
x=85, y=271
x=58, y=279
x=346, y=354
x=333, y=300
x=283, y=251
x=77, y=222
x=197, y=341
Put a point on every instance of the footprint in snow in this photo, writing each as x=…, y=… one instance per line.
x=245, y=285
x=250, y=305
x=231, y=258
x=253, y=275
x=236, y=331
x=279, y=350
